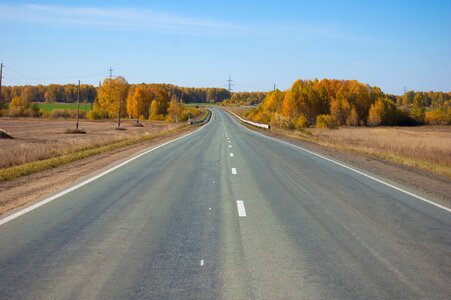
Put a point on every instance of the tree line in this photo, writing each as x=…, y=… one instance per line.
x=115, y=96
x=88, y=93
x=332, y=103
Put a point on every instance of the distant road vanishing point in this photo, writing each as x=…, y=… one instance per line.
x=228, y=213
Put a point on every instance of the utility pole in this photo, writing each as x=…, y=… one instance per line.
x=274, y=87
x=111, y=72
x=78, y=105
x=1, y=76
x=229, y=83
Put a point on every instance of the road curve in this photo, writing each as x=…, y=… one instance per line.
x=228, y=213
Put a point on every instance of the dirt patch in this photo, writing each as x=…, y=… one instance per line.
x=26, y=190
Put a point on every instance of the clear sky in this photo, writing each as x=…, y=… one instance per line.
x=390, y=44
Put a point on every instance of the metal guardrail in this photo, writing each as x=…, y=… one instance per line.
x=261, y=125
x=204, y=120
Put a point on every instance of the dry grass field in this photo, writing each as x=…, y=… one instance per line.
x=39, y=139
x=425, y=147
x=428, y=143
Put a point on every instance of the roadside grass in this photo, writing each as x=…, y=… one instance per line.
x=419, y=156
x=48, y=107
x=41, y=165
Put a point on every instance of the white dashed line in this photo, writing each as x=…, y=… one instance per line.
x=234, y=171
x=230, y=146
x=231, y=154
x=209, y=208
x=241, y=209
x=201, y=262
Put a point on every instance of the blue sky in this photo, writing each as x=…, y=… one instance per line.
x=390, y=44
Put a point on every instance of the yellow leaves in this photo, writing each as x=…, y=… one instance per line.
x=158, y=108
x=175, y=110
x=112, y=96
x=438, y=117
x=138, y=102
x=289, y=107
x=326, y=121
x=273, y=101
x=347, y=101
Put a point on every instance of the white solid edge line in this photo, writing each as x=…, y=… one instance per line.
x=234, y=171
x=72, y=188
x=351, y=169
x=241, y=208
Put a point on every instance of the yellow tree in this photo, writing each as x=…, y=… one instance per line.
x=158, y=108
x=138, y=102
x=112, y=96
x=340, y=110
x=175, y=110
x=273, y=101
x=353, y=118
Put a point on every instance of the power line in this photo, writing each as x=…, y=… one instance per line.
x=229, y=84
x=111, y=72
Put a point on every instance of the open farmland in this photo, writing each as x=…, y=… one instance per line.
x=47, y=107
x=425, y=147
x=38, y=139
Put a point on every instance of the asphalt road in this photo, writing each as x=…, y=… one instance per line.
x=167, y=225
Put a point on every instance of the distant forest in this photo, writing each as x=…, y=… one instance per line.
x=320, y=103
x=88, y=93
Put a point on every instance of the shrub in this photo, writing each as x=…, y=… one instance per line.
x=300, y=123
x=97, y=114
x=17, y=111
x=262, y=117
x=60, y=114
x=438, y=117
x=75, y=131
x=35, y=112
x=157, y=117
x=326, y=121
x=281, y=121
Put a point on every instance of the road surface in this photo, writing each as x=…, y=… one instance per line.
x=227, y=213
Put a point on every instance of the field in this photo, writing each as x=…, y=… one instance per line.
x=47, y=107
x=39, y=139
x=426, y=147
